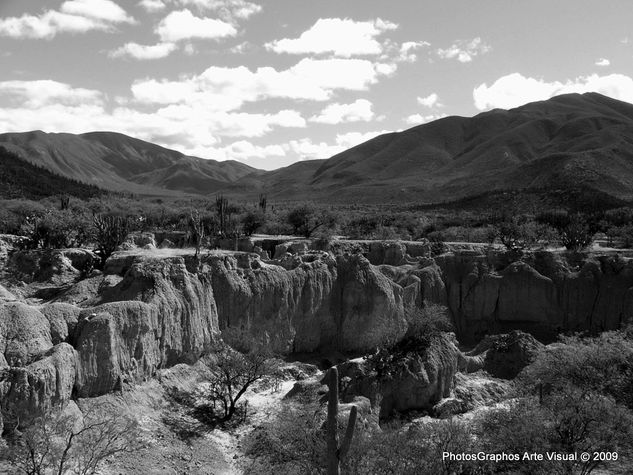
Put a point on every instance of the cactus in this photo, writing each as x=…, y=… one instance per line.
x=336, y=453
x=196, y=229
x=221, y=207
x=263, y=202
x=64, y=201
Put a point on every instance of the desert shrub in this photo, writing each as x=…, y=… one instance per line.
x=566, y=422
x=438, y=246
x=577, y=234
x=623, y=233
x=109, y=232
x=252, y=221
x=57, y=442
x=416, y=449
x=294, y=443
x=56, y=230
x=517, y=234
x=466, y=234
x=361, y=227
x=603, y=364
x=583, y=405
x=306, y=219
x=558, y=219
x=619, y=216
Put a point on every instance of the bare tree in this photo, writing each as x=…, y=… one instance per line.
x=60, y=443
x=233, y=372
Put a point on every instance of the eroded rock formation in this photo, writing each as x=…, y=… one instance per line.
x=92, y=331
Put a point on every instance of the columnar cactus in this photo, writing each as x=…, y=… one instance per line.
x=336, y=453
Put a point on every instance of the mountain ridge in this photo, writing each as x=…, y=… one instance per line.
x=569, y=140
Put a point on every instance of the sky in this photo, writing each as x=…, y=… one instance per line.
x=273, y=82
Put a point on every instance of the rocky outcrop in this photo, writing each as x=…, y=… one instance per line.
x=504, y=356
x=544, y=294
x=312, y=302
x=40, y=385
x=419, y=382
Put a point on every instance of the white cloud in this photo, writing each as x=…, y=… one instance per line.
x=182, y=25
x=143, y=52
x=340, y=37
x=152, y=6
x=351, y=139
x=408, y=48
x=244, y=150
x=105, y=10
x=305, y=149
x=418, y=119
x=222, y=88
x=228, y=10
x=464, y=51
x=47, y=25
x=357, y=111
x=515, y=89
x=603, y=62
x=432, y=100
x=76, y=16
x=35, y=94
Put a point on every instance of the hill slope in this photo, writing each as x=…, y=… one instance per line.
x=570, y=140
x=21, y=179
x=116, y=161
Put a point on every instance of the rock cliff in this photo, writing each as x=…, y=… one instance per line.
x=154, y=308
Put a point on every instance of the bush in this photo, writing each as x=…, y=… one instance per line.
x=252, y=221
x=577, y=234
x=59, y=443
x=306, y=219
x=110, y=232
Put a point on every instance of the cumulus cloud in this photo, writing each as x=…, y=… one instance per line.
x=245, y=151
x=59, y=107
x=222, y=88
x=104, y=10
x=183, y=25
x=152, y=6
x=228, y=10
x=143, y=52
x=34, y=94
x=358, y=111
x=464, y=51
x=306, y=149
x=75, y=16
x=407, y=50
x=418, y=119
x=432, y=100
x=603, y=62
x=337, y=36
x=515, y=89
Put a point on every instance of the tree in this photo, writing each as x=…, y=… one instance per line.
x=305, y=220
x=252, y=221
x=61, y=443
x=110, y=232
x=233, y=373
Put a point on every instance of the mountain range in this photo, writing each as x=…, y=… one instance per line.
x=572, y=140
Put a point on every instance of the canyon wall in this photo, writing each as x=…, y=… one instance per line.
x=66, y=334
